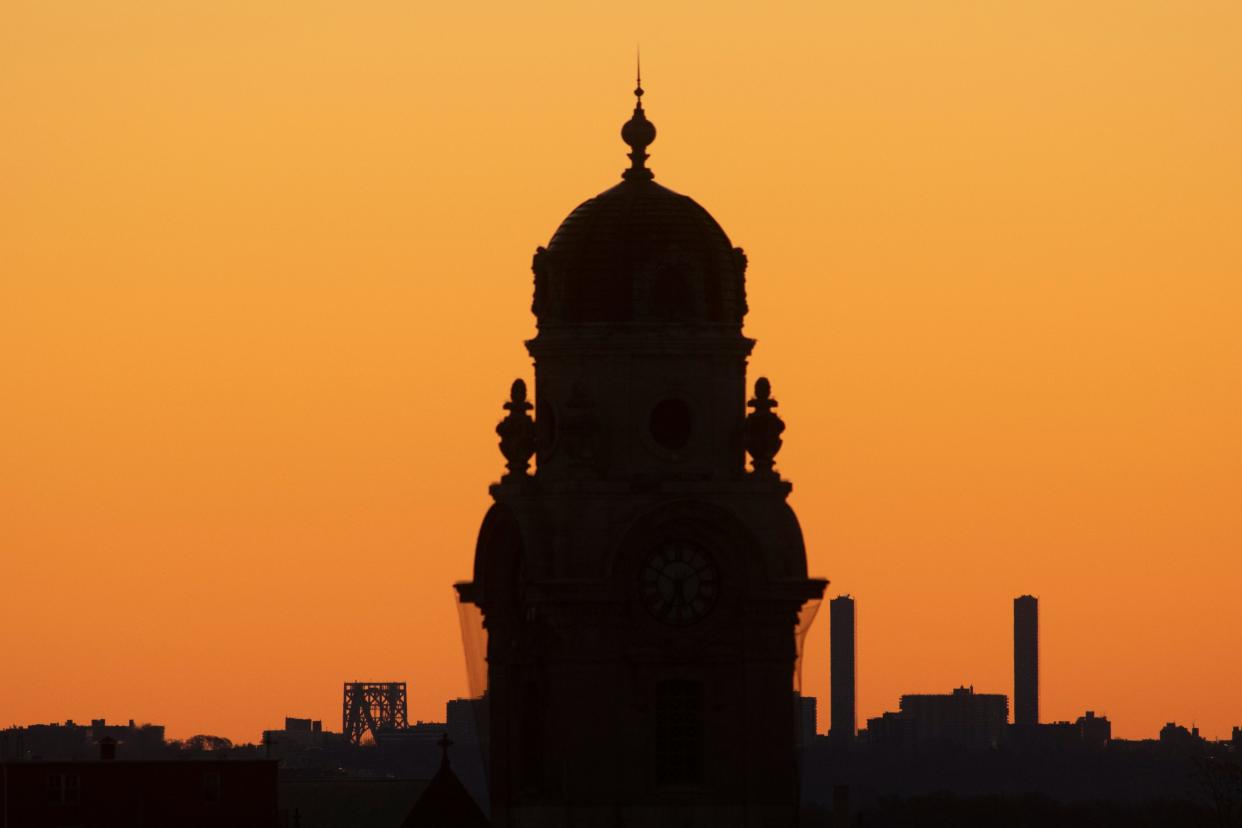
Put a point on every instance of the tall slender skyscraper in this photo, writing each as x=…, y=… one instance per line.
x=1026, y=660
x=844, y=682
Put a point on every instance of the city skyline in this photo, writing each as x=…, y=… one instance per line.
x=265, y=284
x=837, y=704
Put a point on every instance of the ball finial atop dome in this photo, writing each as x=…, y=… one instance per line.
x=639, y=256
x=639, y=133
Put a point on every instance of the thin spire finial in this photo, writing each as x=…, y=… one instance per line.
x=638, y=132
x=638, y=74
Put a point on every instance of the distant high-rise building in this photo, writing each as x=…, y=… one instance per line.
x=1026, y=660
x=844, y=682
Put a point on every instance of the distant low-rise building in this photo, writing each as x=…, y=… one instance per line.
x=1087, y=731
x=1095, y=731
x=963, y=717
x=297, y=737
x=1175, y=735
x=71, y=741
x=891, y=731
x=1048, y=735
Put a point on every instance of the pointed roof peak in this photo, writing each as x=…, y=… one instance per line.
x=445, y=743
x=445, y=801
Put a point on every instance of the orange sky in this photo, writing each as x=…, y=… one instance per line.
x=264, y=281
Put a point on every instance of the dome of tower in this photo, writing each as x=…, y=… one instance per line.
x=639, y=253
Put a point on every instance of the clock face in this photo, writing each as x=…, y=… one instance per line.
x=679, y=583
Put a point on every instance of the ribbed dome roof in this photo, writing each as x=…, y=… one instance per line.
x=639, y=253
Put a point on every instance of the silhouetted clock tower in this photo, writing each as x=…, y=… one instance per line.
x=641, y=588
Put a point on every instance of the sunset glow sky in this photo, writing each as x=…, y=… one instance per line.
x=264, y=282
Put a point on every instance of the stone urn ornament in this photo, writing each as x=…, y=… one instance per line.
x=517, y=433
x=763, y=430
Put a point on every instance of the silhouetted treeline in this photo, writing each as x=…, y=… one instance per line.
x=201, y=743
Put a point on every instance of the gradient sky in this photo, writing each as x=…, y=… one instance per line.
x=264, y=281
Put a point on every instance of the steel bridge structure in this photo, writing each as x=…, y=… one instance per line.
x=373, y=707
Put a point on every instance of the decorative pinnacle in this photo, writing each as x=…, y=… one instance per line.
x=639, y=133
x=763, y=430
x=517, y=433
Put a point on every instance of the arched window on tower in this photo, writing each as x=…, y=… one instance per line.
x=678, y=732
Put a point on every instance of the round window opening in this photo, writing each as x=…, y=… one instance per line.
x=671, y=423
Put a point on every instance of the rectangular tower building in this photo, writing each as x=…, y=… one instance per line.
x=844, y=684
x=1026, y=660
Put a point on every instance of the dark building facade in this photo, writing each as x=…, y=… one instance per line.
x=843, y=679
x=118, y=793
x=642, y=587
x=1025, y=661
